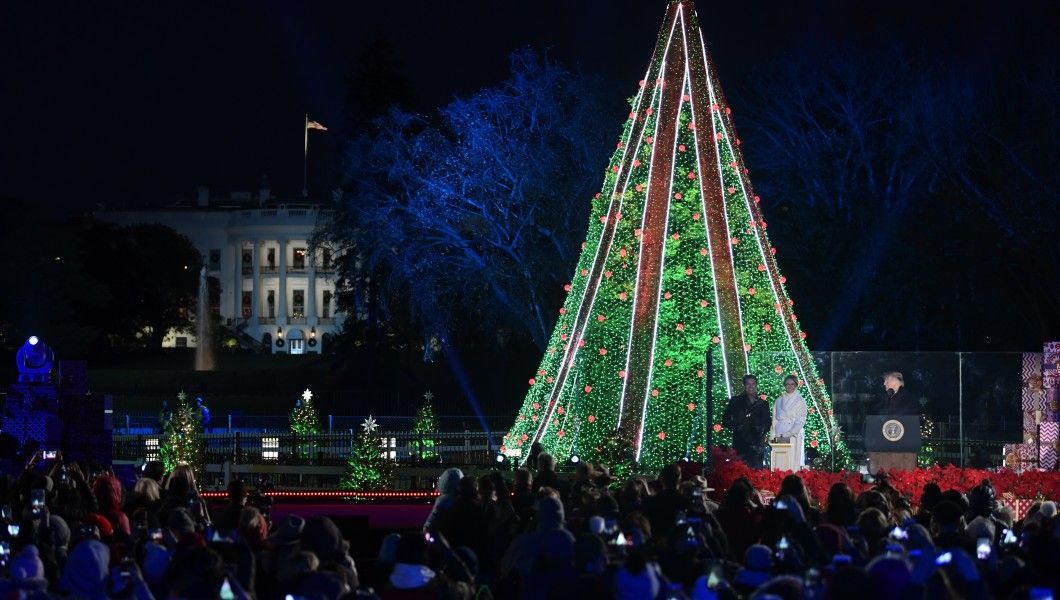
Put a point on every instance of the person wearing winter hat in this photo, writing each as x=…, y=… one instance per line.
x=757, y=569
x=551, y=536
x=85, y=574
x=27, y=571
x=448, y=486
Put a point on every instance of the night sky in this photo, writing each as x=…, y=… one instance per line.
x=137, y=103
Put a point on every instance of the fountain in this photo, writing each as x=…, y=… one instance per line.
x=203, y=351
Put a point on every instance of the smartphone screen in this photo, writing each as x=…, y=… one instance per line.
x=226, y=592
x=37, y=498
x=982, y=548
x=49, y=454
x=13, y=529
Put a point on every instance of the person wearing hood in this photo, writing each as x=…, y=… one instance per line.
x=448, y=488
x=322, y=537
x=526, y=550
x=27, y=572
x=85, y=574
x=107, y=490
x=412, y=578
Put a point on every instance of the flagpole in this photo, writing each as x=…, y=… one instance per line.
x=305, y=159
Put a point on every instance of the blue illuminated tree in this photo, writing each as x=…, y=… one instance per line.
x=472, y=214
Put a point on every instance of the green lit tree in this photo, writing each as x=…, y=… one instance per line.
x=425, y=426
x=182, y=437
x=676, y=262
x=304, y=422
x=369, y=467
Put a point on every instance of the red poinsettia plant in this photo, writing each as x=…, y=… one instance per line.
x=1030, y=485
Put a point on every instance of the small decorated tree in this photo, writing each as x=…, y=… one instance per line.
x=182, y=437
x=304, y=419
x=369, y=467
x=425, y=426
x=304, y=423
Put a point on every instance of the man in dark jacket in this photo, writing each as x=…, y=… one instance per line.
x=662, y=508
x=895, y=401
x=747, y=416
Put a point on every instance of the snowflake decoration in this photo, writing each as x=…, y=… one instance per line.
x=428, y=396
x=369, y=425
x=307, y=395
x=182, y=396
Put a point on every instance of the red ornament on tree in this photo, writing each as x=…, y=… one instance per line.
x=588, y=389
x=717, y=427
x=662, y=435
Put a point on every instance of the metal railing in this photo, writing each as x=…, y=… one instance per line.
x=406, y=448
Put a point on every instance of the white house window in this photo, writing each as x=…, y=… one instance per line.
x=270, y=448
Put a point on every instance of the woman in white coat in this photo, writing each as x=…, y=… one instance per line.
x=789, y=418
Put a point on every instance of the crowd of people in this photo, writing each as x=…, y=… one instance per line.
x=74, y=531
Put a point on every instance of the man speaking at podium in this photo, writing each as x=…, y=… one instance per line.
x=895, y=401
x=892, y=428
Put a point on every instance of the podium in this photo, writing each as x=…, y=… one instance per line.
x=892, y=441
x=782, y=454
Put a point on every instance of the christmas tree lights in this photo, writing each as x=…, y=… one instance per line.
x=304, y=421
x=369, y=466
x=425, y=426
x=676, y=264
x=182, y=436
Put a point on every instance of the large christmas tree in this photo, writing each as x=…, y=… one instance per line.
x=676, y=263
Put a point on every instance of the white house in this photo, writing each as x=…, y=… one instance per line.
x=274, y=291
